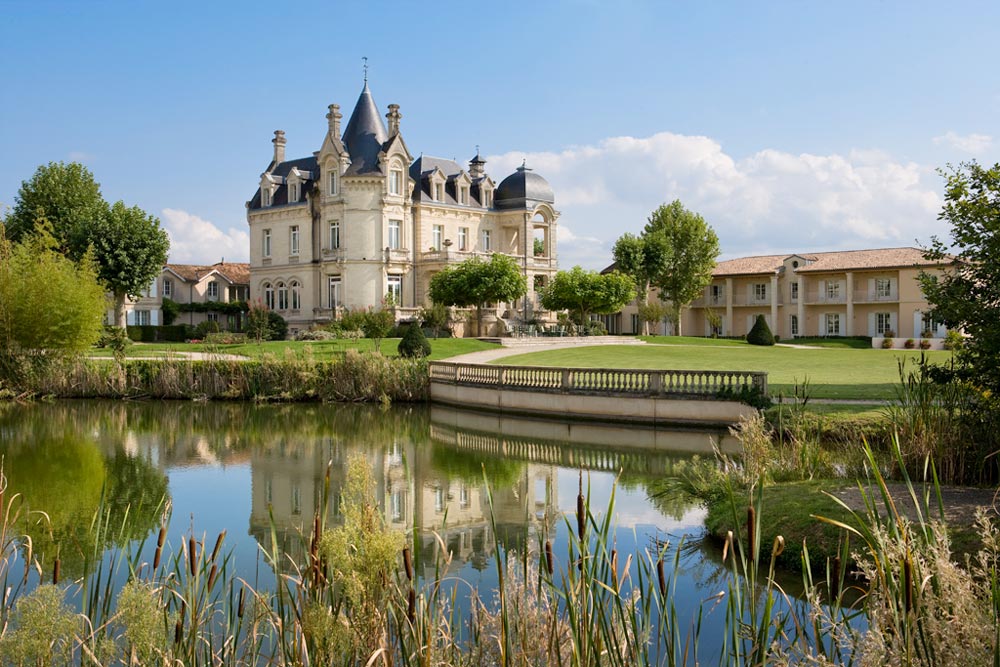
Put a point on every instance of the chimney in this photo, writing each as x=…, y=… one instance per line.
x=333, y=118
x=279, y=146
x=477, y=167
x=393, y=117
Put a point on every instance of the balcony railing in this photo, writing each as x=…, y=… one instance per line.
x=825, y=297
x=334, y=254
x=866, y=296
x=741, y=300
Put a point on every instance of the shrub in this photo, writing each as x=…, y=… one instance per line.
x=316, y=334
x=595, y=328
x=909, y=344
x=887, y=343
x=925, y=344
x=436, y=317
x=116, y=339
x=351, y=320
x=377, y=324
x=226, y=338
x=760, y=334
x=953, y=341
x=207, y=327
x=277, y=325
x=414, y=343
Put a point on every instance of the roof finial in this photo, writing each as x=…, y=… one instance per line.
x=365, y=58
x=477, y=150
x=524, y=163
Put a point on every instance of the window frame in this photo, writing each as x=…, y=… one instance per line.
x=760, y=292
x=437, y=237
x=831, y=319
x=334, y=286
x=395, y=240
x=295, y=290
x=212, y=291
x=883, y=323
x=395, y=181
x=265, y=243
x=793, y=325
x=335, y=239
x=486, y=240
x=333, y=183
x=268, y=290
x=832, y=290
x=167, y=288
x=282, y=291
x=394, y=286
x=293, y=240
x=883, y=288
x=463, y=238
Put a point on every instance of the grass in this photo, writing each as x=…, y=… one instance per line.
x=441, y=348
x=831, y=373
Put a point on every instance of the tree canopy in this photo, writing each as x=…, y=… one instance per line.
x=476, y=282
x=642, y=258
x=686, y=248
x=47, y=301
x=968, y=297
x=585, y=292
x=128, y=246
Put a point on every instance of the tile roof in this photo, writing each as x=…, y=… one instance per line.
x=238, y=273
x=843, y=260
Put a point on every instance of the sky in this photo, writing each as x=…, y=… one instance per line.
x=790, y=126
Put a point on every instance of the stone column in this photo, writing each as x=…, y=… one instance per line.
x=774, y=305
x=728, y=329
x=849, y=328
x=801, y=312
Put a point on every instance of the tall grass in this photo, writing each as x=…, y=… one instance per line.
x=354, y=377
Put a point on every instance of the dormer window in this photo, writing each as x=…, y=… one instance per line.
x=265, y=196
x=333, y=182
x=463, y=195
x=487, y=198
x=395, y=182
x=293, y=192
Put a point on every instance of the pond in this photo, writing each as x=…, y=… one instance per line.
x=247, y=469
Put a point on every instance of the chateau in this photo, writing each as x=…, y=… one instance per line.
x=361, y=222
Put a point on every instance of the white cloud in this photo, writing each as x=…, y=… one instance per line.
x=969, y=143
x=194, y=240
x=80, y=156
x=771, y=201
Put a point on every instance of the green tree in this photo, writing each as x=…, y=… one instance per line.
x=47, y=301
x=586, y=292
x=538, y=247
x=414, y=344
x=377, y=324
x=130, y=249
x=968, y=297
x=690, y=249
x=652, y=313
x=641, y=258
x=477, y=283
x=760, y=333
x=258, y=322
x=67, y=196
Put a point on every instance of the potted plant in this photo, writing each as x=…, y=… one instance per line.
x=909, y=344
x=925, y=344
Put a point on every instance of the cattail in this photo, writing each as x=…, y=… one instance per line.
x=908, y=584
x=835, y=582
x=211, y=575
x=661, y=575
x=727, y=546
x=752, y=530
x=778, y=546
x=408, y=563
x=178, y=631
x=581, y=519
x=55, y=572
x=548, y=557
x=239, y=606
x=160, y=539
x=614, y=567
x=192, y=555
x=218, y=545
x=411, y=605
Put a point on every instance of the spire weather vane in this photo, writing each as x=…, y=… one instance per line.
x=365, y=58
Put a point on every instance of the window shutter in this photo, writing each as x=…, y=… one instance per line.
x=130, y=317
x=154, y=317
x=918, y=324
x=871, y=289
x=750, y=319
x=822, y=293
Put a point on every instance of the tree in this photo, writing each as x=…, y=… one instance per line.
x=414, y=344
x=130, y=249
x=47, y=301
x=968, y=297
x=760, y=333
x=258, y=322
x=652, y=313
x=67, y=196
x=690, y=248
x=377, y=324
x=641, y=258
x=476, y=282
x=586, y=292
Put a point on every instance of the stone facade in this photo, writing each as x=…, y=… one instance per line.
x=221, y=282
x=362, y=222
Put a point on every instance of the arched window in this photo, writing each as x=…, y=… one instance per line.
x=282, y=296
x=296, y=295
x=268, y=296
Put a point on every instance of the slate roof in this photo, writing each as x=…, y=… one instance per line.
x=281, y=171
x=237, y=273
x=425, y=165
x=365, y=135
x=523, y=189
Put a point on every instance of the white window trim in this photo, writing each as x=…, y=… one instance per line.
x=335, y=239
x=334, y=183
x=266, y=243
x=293, y=240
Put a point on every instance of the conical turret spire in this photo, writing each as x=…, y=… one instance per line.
x=365, y=135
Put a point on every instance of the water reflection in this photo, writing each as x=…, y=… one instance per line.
x=242, y=468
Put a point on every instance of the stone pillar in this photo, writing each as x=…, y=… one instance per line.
x=279, y=146
x=728, y=329
x=801, y=312
x=849, y=327
x=774, y=305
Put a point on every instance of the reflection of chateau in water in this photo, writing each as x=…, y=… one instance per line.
x=415, y=494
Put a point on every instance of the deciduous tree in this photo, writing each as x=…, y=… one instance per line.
x=67, y=196
x=586, y=292
x=477, y=283
x=968, y=297
x=641, y=258
x=690, y=249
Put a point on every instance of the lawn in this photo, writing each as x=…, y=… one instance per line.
x=831, y=372
x=441, y=348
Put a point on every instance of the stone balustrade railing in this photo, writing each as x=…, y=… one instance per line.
x=589, y=381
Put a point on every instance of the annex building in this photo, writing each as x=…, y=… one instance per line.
x=361, y=222
x=847, y=293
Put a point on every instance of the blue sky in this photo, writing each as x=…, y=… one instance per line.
x=789, y=125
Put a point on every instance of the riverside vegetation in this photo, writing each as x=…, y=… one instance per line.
x=353, y=597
